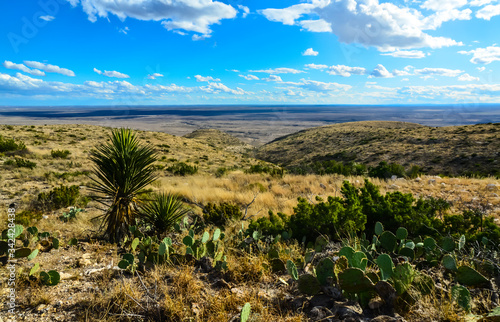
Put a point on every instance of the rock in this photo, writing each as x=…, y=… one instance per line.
x=443, y=184
x=494, y=195
x=384, y=318
x=67, y=276
x=418, y=179
x=322, y=186
x=394, y=177
x=321, y=300
x=85, y=260
x=321, y=313
x=491, y=187
x=431, y=181
x=42, y=308
x=393, y=186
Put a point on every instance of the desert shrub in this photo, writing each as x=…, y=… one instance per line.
x=472, y=223
x=272, y=225
x=162, y=212
x=220, y=172
x=20, y=163
x=182, y=169
x=272, y=170
x=7, y=145
x=60, y=154
x=28, y=217
x=219, y=215
x=60, y=197
x=385, y=170
x=336, y=217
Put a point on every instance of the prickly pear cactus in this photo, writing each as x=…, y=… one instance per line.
x=292, y=269
x=407, y=252
x=50, y=278
x=309, y=284
x=379, y=228
x=359, y=260
x=461, y=295
x=386, y=266
x=401, y=233
x=354, y=280
x=324, y=270
x=277, y=265
x=448, y=244
x=320, y=243
x=245, y=312
x=449, y=262
x=403, y=277
x=470, y=277
x=388, y=241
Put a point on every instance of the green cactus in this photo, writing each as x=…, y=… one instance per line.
x=205, y=237
x=449, y=262
x=33, y=254
x=386, y=266
x=292, y=269
x=401, y=233
x=354, y=280
x=245, y=312
x=309, y=256
x=22, y=252
x=407, y=252
x=55, y=243
x=403, y=277
x=388, y=241
x=430, y=243
x=461, y=295
x=359, y=260
x=188, y=241
x=348, y=252
x=341, y=264
x=379, y=228
x=324, y=270
x=461, y=243
x=470, y=277
x=320, y=243
x=50, y=278
x=73, y=241
x=277, y=265
x=308, y=284
x=134, y=244
x=162, y=249
x=34, y=269
x=273, y=253
x=448, y=244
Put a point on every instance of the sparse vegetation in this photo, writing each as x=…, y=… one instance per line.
x=61, y=154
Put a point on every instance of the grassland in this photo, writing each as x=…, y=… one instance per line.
x=93, y=290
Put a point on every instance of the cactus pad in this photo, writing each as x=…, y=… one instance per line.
x=386, y=266
x=388, y=241
x=292, y=269
x=401, y=233
x=245, y=312
x=449, y=262
x=461, y=295
x=354, y=280
x=470, y=277
x=309, y=285
x=379, y=228
x=324, y=270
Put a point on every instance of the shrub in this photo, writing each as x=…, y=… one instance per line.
x=60, y=154
x=7, y=145
x=20, y=163
x=60, y=197
x=182, y=169
x=473, y=224
x=272, y=225
x=27, y=217
x=220, y=172
x=220, y=215
x=272, y=170
x=385, y=170
x=163, y=211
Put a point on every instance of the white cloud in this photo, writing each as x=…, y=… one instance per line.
x=47, y=18
x=310, y=52
x=481, y=69
x=438, y=72
x=111, y=73
x=380, y=71
x=346, y=71
x=406, y=54
x=273, y=78
x=316, y=86
x=385, y=26
x=479, y=3
x=483, y=55
x=318, y=25
x=405, y=72
x=154, y=75
x=467, y=78
x=245, y=10
x=124, y=30
x=488, y=12
x=22, y=67
x=188, y=15
x=281, y=70
x=443, y=5
x=249, y=77
x=200, y=78
x=219, y=87
x=315, y=66
x=49, y=68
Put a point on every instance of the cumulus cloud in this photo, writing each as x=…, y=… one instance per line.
x=49, y=68
x=23, y=68
x=346, y=71
x=483, y=55
x=154, y=76
x=380, y=71
x=385, y=26
x=443, y=5
x=281, y=70
x=488, y=12
x=310, y=52
x=249, y=77
x=438, y=72
x=187, y=15
x=200, y=78
x=244, y=9
x=124, y=30
x=467, y=78
x=316, y=66
x=111, y=73
x=317, y=86
x=273, y=78
x=406, y=54
x=216, y=88
x=481, y=69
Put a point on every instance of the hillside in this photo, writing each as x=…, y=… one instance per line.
x=452, y=150
x=220, y=140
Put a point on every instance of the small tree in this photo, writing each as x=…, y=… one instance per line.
x=123, y=168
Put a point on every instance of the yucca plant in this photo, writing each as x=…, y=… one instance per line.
x=163, y=211
x=123, y=168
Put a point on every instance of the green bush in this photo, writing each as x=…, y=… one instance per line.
x=60, y=154
x=336, y=217
x=60, y=197
x=219, y=215
x=385, y=170
x=473, y=224
x=20, y=163
x=7, y=145
x=182, y=169
x=331, y=167
x=272, y=225
x=28, y=217
x=272, y=170
x=220, y=172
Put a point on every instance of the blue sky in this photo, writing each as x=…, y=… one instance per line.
x=161, y=52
